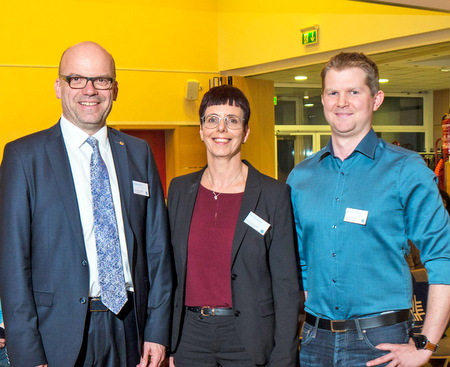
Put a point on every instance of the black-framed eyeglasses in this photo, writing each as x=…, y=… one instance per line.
x=233, y=122
x=80, y=82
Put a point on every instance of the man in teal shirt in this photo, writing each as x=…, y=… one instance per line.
x=356, y=203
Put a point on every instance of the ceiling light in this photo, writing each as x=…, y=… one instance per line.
x=309, y=105
x=306, y=95
x=445, y=69
x=383, y=80
x=301, y=77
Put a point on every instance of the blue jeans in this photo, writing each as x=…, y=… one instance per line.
x=4, y=362
x=323, y=348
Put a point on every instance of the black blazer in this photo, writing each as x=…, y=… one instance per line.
x=264, y=277
x=44, y=272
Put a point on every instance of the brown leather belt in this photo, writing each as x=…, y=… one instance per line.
x=341, y=326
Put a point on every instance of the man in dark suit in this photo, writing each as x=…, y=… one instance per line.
x=55, y=273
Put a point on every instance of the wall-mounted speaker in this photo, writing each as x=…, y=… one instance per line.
x=192, y=87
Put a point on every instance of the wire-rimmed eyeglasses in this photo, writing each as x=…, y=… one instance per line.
x=233, y=122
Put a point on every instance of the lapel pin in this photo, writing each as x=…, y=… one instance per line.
x=121, y=142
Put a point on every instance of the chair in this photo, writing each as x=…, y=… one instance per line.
x=420, y=295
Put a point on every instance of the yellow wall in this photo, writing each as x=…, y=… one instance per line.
x=263, y=31
x=158, y=45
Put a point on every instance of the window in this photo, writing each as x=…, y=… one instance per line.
x=302, y=130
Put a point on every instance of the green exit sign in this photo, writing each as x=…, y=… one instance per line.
x=309, y=37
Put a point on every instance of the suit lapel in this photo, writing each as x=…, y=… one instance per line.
x=187, y=209
x=249, y=201
x=120, y=156
x=59, y=162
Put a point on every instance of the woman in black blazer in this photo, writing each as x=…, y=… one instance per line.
x=237, y=294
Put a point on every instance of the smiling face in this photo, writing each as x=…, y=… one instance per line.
x=348, y=104
x=222, y=142
x=86, y=108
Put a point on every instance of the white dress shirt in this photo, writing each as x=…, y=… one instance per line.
x=79, y=153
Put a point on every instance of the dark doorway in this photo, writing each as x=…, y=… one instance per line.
x=156, y=140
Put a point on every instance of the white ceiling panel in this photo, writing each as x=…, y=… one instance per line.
x=409, y=70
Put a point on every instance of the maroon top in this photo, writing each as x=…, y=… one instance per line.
x=208, y=279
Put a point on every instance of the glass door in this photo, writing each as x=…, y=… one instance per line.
x=293, y=147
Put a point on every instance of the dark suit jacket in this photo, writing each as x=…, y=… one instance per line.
x=264, y=277
x=43, y=264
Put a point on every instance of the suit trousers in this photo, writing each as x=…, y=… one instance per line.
x=110, y=340
x=210, y=341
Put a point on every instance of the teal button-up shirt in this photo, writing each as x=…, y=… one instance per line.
x=353, y=220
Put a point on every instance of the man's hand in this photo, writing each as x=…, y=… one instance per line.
x=152, y=355
x=402, y=355
x=2, y=343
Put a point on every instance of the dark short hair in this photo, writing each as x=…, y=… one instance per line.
x=225, y=94
x=346, y=60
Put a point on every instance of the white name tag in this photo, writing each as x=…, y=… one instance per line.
x=140, y=188
x=257, y=223
x=356, y=216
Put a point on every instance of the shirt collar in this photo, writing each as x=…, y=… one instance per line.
x=75, y=137
x=366, y=146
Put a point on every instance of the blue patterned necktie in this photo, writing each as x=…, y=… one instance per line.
x=109, y=258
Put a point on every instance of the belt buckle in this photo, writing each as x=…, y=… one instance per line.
x=206, y=308
x=333, y=329
x=96, y=299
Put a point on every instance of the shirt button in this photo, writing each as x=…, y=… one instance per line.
x=337, y=199
x=84, y=263
x=333, y=254
x=336, y=308
x=233, y=276
x=334, y=227
x=342, y=173
x=82, y=300
x=237, y=313
x=334, y=280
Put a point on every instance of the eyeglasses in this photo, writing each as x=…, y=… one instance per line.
x=80, y=82
x=233, y=122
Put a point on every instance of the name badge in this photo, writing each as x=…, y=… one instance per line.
x=140, y=188
x=257, y=223
x=356, y=216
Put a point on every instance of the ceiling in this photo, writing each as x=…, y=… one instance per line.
x=436, y=5
x=412, y=70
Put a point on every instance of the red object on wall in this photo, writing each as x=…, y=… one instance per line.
x=156, y=140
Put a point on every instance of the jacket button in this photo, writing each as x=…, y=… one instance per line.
x=233, y=276
x=237, y=313
x=82, y=300
x=84, y=263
